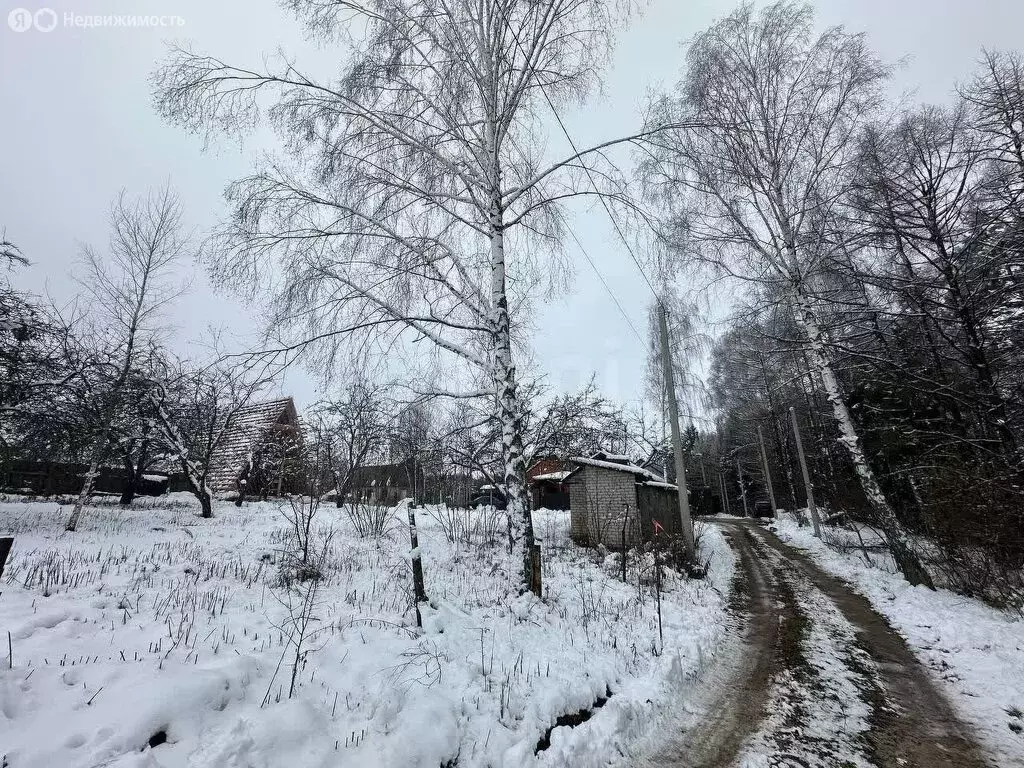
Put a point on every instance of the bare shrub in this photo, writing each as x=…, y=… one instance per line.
x=698, y=569
x=299, y=626
x=594, y=600
x=303, y=564
x=421, y=665
x=301, y=513
x=371, y=521
x=971, y=570
x=487, y=526
x=671, y=550
x=453, y=522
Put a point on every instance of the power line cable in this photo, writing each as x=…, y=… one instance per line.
x=586, y=169
x=604, y=283
x=590, y=261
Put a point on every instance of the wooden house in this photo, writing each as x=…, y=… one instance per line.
x=610, y=497
x=387, y=484
x=259, y=453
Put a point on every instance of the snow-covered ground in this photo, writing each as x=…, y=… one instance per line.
x=976, y=650
x=155, y=623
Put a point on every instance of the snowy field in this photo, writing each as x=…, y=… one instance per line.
x=156, y=626
x=977, y=651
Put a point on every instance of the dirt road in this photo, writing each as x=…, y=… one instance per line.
x=817, y=679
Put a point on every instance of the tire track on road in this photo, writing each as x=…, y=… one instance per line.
x=912, y=723
x=780, y=600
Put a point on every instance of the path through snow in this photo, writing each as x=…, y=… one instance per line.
x=818, y=680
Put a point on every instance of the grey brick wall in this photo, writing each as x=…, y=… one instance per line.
x=597, y=500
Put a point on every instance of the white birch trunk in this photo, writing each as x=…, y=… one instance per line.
x=520, y=521
x=88, y=484
x=907, y=561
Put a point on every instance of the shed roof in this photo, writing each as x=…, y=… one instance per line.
x=554, y=476
x=660, y=484
x=600, y=460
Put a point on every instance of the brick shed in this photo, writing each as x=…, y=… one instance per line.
x=607, y=491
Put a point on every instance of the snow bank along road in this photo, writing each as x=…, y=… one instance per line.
x=819, y=679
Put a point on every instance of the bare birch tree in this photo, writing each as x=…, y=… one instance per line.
x=769, y=174
x=128, y=285
x=416, y=193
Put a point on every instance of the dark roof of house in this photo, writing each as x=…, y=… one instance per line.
x=387, y=475
x=247, y=431
x=661, y=459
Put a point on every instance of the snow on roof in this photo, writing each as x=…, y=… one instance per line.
x=659, y=484
x=247, y=429
x=633, y=469
x=555, y=476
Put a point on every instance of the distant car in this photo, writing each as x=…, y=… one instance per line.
x=488, y=498
x=763, y=509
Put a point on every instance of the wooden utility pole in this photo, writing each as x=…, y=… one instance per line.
x=726, y=509
x=677, y=440
x=419, y=592
x=6, y=542
x=811, y=506
x=767, y=471
x=743, y=491
x=702, y=505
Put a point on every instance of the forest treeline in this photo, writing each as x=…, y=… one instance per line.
x=879, y=255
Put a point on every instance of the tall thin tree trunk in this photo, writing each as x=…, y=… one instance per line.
x=131, y=480
x=88, y=483
x=906, y=559
x=133, y=473
x=780, y=446
x=520, y=521
x=205, y=503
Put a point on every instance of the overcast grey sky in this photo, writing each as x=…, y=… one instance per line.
x=77, y=126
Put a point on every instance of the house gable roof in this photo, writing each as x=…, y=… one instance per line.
x=247, y=430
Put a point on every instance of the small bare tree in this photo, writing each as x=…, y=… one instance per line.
x=348, y=431
x=298, y=595
x=128, y=285
x=194, y=408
